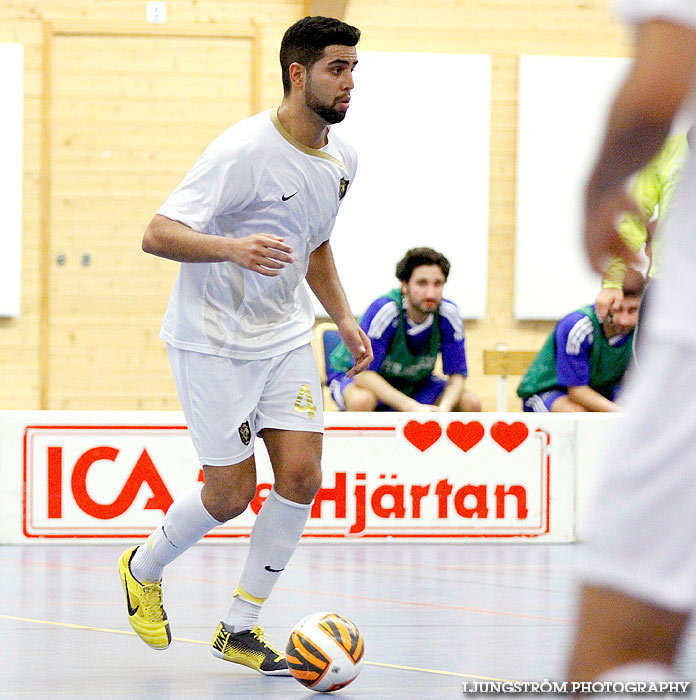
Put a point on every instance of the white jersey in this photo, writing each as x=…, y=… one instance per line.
x=254, y=178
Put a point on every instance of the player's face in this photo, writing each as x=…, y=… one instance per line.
x=423, y=292
x=624, y=319
x=329, y=83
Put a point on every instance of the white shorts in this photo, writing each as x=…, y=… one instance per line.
x=641, y=523
x=227, y=402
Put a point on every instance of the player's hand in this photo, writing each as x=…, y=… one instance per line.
x=416, y=407
x=358, y=344
x=607, y=300
x=603, y=211
x=262, y=252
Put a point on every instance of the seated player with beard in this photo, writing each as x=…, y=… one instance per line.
x=408, y=327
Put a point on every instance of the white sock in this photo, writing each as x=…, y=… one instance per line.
x=243, y=613
x=185, y=523
x=274, y=539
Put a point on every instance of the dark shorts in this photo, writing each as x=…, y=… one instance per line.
x=427, y=392
x=541, y=403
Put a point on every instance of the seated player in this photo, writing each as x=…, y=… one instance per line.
x=408, y=327
x=582, y=363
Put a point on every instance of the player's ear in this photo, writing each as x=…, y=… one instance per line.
x=298, y=74
x=404, y=287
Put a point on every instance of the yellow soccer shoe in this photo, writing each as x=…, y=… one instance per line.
x=145, y=610
x=249, y=648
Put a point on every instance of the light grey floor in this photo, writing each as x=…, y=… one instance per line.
x=433, y=616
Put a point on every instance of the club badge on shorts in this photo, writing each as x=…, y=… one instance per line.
x=343, y=188
x=245, y=432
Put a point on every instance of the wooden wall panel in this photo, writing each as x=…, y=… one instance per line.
x=327, y=8
x=19, y=337
x=138, y=178
x=129, y=117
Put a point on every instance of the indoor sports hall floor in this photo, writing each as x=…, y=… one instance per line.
x=433, y=616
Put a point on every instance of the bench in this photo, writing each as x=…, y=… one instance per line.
x=503, y=363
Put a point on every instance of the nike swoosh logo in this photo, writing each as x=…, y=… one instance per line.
x=131, y=609
x=285, y=199
x=268, y=568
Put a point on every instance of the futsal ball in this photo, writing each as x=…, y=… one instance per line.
x=325, y=651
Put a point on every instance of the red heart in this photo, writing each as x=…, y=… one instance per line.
x=509, y=437
x=422, y=435
x=465, y=435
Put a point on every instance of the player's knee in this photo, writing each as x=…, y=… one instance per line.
x=470, y=402
x=564, y=404
x=300, y=482
x=361, y=403
x=224, y=505
x=359, y=400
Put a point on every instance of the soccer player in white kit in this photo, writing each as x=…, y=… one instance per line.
x=249, y=223
x=639, y=582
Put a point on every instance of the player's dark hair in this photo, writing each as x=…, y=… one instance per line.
x=420, y=256
x=304, y=42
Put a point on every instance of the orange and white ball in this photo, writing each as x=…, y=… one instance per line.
x=325, y=651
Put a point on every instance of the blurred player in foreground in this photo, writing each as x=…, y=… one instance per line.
x=249, y=223
x=639, y=584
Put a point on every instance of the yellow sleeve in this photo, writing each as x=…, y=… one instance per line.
x=615, y=273
x=635, y=234
x=646, y=192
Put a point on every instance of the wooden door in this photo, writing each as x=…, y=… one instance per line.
x=129, y=116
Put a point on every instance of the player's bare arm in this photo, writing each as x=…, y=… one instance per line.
x=323, y=280
x=388, y=394
x=639, y=122
x=265, y=254
x=591, y=400
x=452, y=392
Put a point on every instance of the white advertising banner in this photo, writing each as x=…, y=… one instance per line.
x=104, y=475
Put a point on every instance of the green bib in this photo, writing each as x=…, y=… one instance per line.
x=607, y=363
x=400, y=367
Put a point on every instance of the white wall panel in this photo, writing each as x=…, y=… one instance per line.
x=11, y=130
x=563, y=105
x=421, y=126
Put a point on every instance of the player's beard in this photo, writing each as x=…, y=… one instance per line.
x=325, y=112
x=424, y=309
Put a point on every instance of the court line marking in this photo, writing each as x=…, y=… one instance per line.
x=348, y=596
x=442, y=673
x=428, y=605
x=198, y=641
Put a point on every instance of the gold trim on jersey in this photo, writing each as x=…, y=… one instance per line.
x=300, y=146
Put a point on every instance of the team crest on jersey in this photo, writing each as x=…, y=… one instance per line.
x=245, y=432
x=343, y=188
